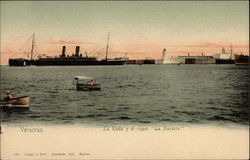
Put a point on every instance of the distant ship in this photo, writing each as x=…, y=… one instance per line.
x=75, y=59
x=241, y=59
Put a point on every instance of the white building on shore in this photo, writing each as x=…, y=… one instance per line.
x=185, y=59
x=224, y=54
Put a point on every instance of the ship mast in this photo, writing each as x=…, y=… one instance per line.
x=107, y=48
x=32, y=47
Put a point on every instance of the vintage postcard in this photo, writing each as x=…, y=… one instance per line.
x=124, y=80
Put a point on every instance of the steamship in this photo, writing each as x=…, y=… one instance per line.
x=75, y=59
x=63, y=60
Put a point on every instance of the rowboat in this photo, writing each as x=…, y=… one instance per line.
x=86, y=84
x=22, y=102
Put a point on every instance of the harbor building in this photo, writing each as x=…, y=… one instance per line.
x=166, y=59
x=217, y=58
x=196, y=59
x=224, y=57
x=223, y=54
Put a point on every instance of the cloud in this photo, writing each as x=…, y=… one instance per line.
x=210, y=45
x=63, y=42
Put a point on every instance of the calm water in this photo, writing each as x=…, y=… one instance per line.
x=131, y=94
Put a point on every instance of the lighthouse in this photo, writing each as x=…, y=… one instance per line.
x=164, y=54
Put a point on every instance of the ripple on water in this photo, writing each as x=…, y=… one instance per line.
x=120, y=118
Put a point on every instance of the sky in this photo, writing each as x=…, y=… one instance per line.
x=138, y=29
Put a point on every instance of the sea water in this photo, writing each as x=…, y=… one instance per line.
x=130, y=95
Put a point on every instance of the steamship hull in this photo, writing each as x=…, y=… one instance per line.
x=62, y=62
x=72, y=62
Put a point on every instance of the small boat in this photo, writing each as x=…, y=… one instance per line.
x=86, y=84
x=22, y=102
